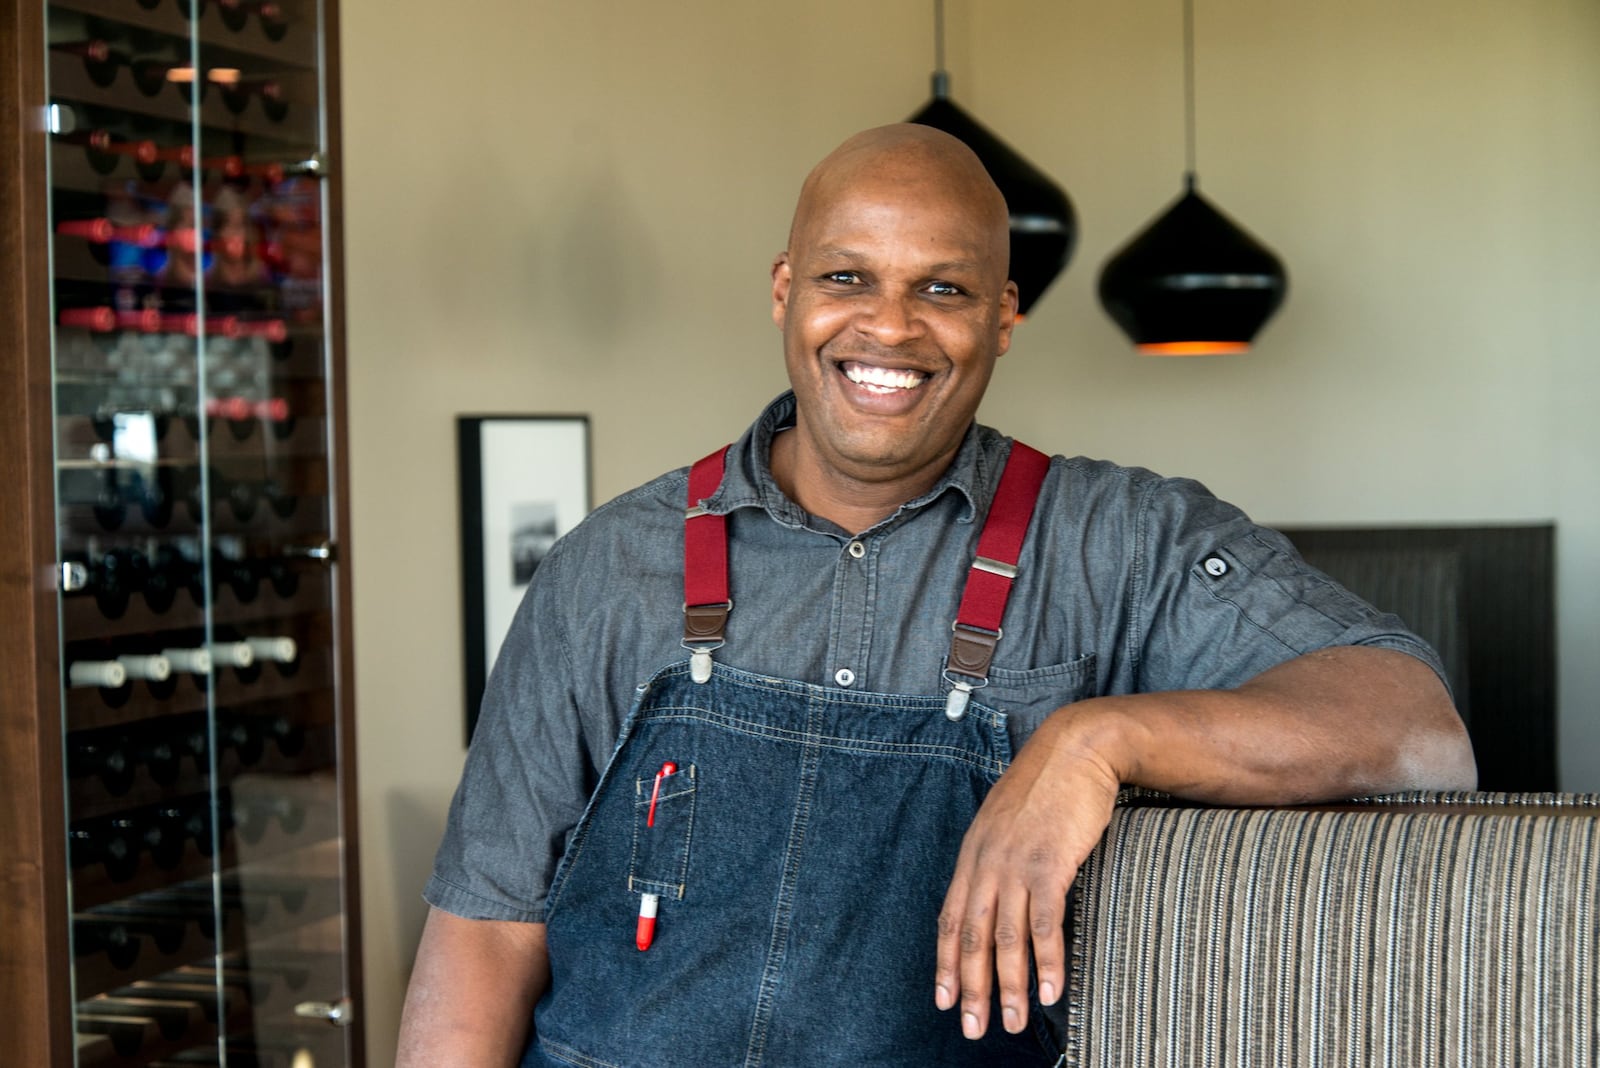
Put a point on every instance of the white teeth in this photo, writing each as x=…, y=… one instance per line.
x=882, y=379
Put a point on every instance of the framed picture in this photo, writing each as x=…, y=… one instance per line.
x=524, y=483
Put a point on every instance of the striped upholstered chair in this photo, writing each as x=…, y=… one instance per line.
x=1408, y=931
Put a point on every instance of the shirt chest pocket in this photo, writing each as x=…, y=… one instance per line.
x=1028, y=696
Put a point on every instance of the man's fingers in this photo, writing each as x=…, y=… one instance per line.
x=947, y=953
x=976, y=938
x=1046, y=913
x=1011, y=943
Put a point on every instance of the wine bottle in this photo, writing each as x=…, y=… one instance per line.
x=101, y=843
x=235, y=14
x=244, y=736
x=170, y=570
x=283, y=576
x=231, y=654
x=196, y=661
x=148, y=668
x=107, y=757
x=102, y=231
x=105, y=148
x=106, y=674
x=190, y=821
x=236, y=96
x=100, y=60
x=166, y=932
x=159, y=755
x=239, y=574
x=91, y=936
x=277, y=649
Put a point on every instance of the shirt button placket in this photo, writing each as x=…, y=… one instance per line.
x=855, y=588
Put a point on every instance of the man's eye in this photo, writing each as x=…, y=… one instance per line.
x=945, y=289
x=843, y=278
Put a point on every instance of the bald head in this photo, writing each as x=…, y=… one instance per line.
x=911, y=161
x=894, y=305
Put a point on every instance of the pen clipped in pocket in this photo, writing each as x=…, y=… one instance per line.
x=663, y=823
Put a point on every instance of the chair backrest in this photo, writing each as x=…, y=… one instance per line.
x=1499, y=642
x=1448, y=929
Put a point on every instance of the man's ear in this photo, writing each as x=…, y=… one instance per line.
x=780, y=288
x=1008, y=316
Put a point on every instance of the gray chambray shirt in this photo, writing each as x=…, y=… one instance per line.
x=1128, y=583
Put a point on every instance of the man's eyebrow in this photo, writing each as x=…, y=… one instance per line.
x=850, y=255
x=953, y=266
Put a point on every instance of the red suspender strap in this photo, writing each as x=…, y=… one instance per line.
x=705, y=566
x=983, y=603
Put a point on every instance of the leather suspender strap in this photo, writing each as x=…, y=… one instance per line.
x=983, y=602
x=706, y=603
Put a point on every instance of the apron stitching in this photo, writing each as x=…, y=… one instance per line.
x=572, y=1056
x=783, y=913
x=864, y=747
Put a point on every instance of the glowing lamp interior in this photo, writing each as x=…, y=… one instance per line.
x=1194, y=348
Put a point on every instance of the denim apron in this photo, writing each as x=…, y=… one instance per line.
x=797, y=841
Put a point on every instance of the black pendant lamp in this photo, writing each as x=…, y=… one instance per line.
x=1044, y=229
x=1193, y=282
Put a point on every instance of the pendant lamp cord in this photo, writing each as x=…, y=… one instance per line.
x=1188, y=94
x=941, y=78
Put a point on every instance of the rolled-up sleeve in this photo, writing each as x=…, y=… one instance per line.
x=1221, y=599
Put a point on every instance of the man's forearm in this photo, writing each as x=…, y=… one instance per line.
x=472, y=993
x=1329, y=724
x=1339, y=722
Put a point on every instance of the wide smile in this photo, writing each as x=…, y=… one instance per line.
x=883, y=381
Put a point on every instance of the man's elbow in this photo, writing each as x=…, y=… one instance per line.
x=1436, y=756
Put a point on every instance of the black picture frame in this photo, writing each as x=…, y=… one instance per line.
x=525, y=480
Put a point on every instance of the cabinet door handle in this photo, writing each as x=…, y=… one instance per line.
x=341, y=1013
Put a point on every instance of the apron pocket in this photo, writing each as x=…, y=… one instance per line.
x=660, y=860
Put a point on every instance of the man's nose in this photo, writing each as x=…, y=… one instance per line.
x=891, y=318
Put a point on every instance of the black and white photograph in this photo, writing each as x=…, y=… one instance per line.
x=524, y=483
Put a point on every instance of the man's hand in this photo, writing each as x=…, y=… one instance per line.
x=1334, y=723
x=1009, y=891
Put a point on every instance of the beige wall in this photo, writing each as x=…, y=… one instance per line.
x=571, y=207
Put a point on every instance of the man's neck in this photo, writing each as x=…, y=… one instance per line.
x=824, y=491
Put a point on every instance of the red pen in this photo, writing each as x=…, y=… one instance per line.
x=645, y=933
x=666, y=769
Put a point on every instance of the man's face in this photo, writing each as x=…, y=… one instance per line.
x=894, y=305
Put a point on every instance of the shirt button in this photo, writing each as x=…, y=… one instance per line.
x=1216, y=566
x=857, y=550
x=844, y=676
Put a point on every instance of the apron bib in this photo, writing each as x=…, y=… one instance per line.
x=797, y=841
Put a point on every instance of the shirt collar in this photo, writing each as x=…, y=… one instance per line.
x=748, y=482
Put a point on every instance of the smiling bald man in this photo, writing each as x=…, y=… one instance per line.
x=791, y=756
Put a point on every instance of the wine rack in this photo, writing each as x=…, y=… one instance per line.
x=180, y=791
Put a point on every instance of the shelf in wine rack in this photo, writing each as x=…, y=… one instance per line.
x=295, y=134
x=265, y=817
x=87, y=707
x=299, y=437
x=298, y=46
x=257, y=1018
x=163, y=930
x=304, y=746
x=71, y=170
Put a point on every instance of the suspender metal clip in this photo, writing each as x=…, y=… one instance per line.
x=703, y=625
x=955, y=703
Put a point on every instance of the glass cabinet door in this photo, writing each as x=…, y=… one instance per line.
x=200, y=613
